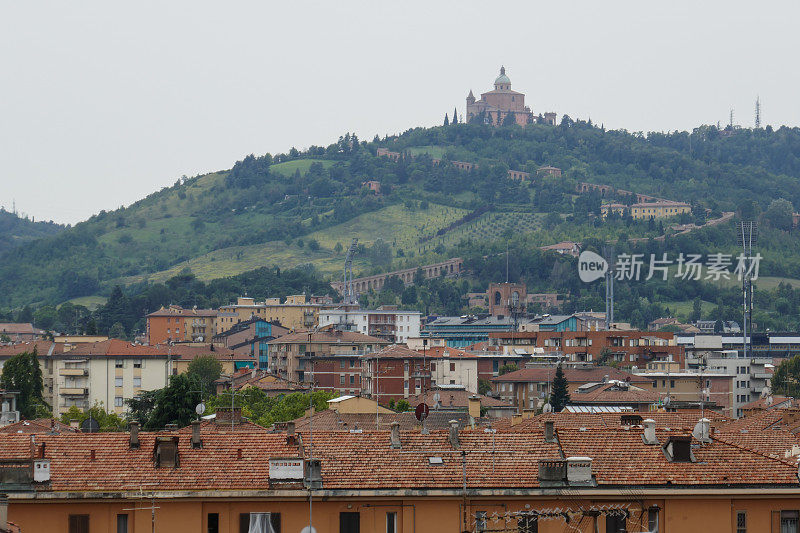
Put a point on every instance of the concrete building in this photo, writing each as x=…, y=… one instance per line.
x=392, y=325
x=22, y=332
x=647, y=210
x=297, y=312
x=251, y=337
x=176, y=324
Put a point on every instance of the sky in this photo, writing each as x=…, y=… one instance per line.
x=102, y=103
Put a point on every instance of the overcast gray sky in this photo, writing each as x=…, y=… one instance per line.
x=102, y=103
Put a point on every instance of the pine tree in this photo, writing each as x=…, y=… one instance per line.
x=559, y=397
x=446, y=120
x=455, y=115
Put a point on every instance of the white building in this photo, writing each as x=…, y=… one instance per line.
x=389, y=324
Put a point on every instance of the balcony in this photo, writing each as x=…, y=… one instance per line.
x=73, y=372
x=74, y=391
x=420, y=374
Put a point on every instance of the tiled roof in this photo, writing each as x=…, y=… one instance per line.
x=770, y=402
x=180, y=311
x=330, y=420
x=42, y=348
x=12, y=328
x=454, y=398
x=612, y=393
x=239, y=460
x=114, y=347
x=189, y=352
x=684, y=419
x=37, y=426
x=573, y=375
x=397, y=351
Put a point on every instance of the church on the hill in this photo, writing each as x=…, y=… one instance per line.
x=495, y=106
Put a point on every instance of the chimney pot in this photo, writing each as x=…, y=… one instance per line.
x=395, y=434
x=549, y=431
x=649, y=435
x=454, y=433
x=134, y=441
x=196, y=442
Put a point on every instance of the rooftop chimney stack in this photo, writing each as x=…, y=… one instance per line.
x=454, y=433
x=290, y=435
x=704, y=427
x=474, y=407
x=649, y=436
x=549, y=431
x=196, y=442
x=75, y=424
x=134, y=443
x=395, y=435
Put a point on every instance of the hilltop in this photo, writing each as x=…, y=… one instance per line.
x=302, y=208
x=16, y=230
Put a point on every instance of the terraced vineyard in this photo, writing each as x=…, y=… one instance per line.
x=489, y=226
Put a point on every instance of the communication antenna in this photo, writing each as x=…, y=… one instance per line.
x=608, y=254
x=349, y=293
x=731, y=123
x=758, y=112
x=746, y=237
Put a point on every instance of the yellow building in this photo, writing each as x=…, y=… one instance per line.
x=647, y=210
x=296, y=313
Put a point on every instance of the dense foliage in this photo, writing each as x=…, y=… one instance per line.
x=22, y=373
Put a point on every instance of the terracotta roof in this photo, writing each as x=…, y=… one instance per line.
x=117, y=347
x=189, y=352
x=612, y=393
x=239, y=460
x=25, y=328
x=574, y=375
x=684, y=419
x=328, y=337
x=397, y=351
x=770, y=442
x=270, y=382
x=42, y=348
x=770, y=402
x=180, y=311
x=330, y=420
x=447, y=351
x=454, y=398
x=37, y=426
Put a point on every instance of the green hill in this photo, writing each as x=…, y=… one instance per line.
x=16, y=231
x=293, y=209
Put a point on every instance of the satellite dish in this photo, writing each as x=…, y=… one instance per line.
x=309, y=529
x=547, y=408
x=200, y=409
x=90, y=425
x=667, y=400
x=421, y=412
x=436, y=400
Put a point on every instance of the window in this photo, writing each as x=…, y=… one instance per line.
x=391, y=522
x=652, y=520
x=405, y=366
x=352, y=363
x=452, y=367
x=789, y=520
x=79, y=523
x=528, y=524
x=118, y=382
x=341, y=363
x=137, y=383
x=672, y=383
x=119, y=363
x=341, y=379
x=118, y=401
x=122, y=523
x=480, y=521
x=349, y=523
x=137, y=363
x=615, y=523
x=655, y=383
x=213, y=522
x=741, y=522
x=433, y=367
x=259, y=523
x=405, y=384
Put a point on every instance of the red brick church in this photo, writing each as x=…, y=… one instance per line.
x=495, y=105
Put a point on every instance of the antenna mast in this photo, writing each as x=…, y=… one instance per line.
x=747, y=235
x=731, y=123
x=758, y=112
x=608, y=252
x=349, y=293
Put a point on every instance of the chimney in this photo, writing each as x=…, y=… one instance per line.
x=475, y=406
x=290, y=435
x=196, y=442
x=649, y=436
x=516, y=419
x=579, y=470
x=549, y=431
x=395, y=434
x=74, y=424
x=703, y=431
x=134, y=442
x=226, y=415
x=454, y=433
x=3, y=512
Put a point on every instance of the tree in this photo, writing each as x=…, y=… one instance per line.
x=206, y=370
x=455, y=115
x=402, y=406
x=141, y=406
x=560, y=395
x=117, y=331
x=484, y=387
x=506, y=369
x=446, y=120
x=23, y=374
x=106, y=421
x=697, y=310
x=786, y=380
x=779, y=214
x=175, y=403
x=313, y=245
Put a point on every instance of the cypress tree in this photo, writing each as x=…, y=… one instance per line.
x=455, y=115
x=446, y=120
x=559, y=396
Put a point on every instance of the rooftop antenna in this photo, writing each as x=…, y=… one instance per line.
x=731, y=123
x=758, y=112
x=608, y=253
x=349, y=293
x=506, y=261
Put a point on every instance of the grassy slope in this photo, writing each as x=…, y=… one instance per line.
x=397, y=225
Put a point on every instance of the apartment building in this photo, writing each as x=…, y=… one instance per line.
x=296, y=312
x=389, y=324
x=176, y=324
x=638, y=477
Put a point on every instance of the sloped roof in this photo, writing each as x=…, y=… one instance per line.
x=42, y=348
x=458, y=399
x=573, y=375
x=612, y=393
x=684, y=419
x=37, y=426
x=328, y=337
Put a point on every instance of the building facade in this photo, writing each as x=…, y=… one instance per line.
x=176, y=324
x=494, y=106
x=392, y=325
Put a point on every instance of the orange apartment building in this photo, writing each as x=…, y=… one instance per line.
x=546, y=478
x=176, y=324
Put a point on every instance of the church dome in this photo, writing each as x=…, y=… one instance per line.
x=502, y=78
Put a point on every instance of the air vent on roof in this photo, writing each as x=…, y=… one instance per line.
x=435, y=460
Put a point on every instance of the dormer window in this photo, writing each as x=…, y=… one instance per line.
x=679, y=449
x=166, y=452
